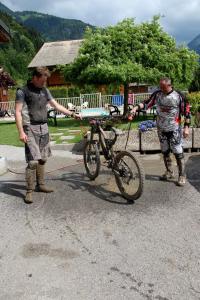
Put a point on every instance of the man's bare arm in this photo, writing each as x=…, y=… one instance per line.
x=62, y=109
x=18, y=118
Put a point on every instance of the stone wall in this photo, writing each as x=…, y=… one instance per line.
x=196, y=138
x=148, y=140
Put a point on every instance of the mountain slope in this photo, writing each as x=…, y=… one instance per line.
x=52, y=28
x=195, y=44
x=5, y=9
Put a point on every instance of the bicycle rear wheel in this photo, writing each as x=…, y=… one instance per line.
x=91, y=160
x=129, y=175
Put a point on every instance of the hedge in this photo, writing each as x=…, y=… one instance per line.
x=194, y=100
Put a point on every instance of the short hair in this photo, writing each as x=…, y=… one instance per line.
x=40, y=71
x=167, y=80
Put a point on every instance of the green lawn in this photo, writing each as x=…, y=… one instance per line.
x=9, y=134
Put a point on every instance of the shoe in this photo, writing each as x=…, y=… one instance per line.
x=181, y=181
x=168, y=175
x=28, y=198
x=43, y=188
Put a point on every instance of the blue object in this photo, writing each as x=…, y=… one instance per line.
x=117, y=100
x=146, y=125
x=94, y=112
x=143, y=128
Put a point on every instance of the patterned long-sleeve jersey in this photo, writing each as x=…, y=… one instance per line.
x=170, y=108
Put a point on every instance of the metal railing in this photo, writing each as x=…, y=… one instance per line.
x=7, y=108
x=138, y=98
x=91, y=100
x=95, y=100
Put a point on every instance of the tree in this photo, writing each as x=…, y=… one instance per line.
x=130, y=52
x=195, y=84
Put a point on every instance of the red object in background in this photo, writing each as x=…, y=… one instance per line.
x=130, y=117
x=130, y=98
x=5, y=82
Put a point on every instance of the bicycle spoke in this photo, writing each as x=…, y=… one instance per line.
x=91, y=160
x=129, y=175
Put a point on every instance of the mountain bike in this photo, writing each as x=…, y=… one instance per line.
x=127, y=169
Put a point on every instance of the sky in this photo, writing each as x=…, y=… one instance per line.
x=180, y=18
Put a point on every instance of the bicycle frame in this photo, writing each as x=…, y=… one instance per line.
x=105, y=143
x=128, y=172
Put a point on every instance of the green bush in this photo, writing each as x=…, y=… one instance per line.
x=58, y=92
x=73, y=91
x=194, y=100
x=11, y=94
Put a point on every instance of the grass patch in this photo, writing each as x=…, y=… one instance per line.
x=83, y=126
x=66, y=125
x=9, y=133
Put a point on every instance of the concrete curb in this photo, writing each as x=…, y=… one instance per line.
x=74, y=147
x=3, y=165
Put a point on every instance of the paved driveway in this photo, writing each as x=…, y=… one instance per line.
x=84, y=242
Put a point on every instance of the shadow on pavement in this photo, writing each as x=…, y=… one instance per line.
x=12, y=189
x=193, y=171
x=152, y=177
x=78, y=181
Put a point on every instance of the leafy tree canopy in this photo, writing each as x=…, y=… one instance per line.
x=130, y=52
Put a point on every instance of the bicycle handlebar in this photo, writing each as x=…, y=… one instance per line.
x=101, y=120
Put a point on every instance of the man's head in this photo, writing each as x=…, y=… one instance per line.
x=39, y=76
x=165, y=85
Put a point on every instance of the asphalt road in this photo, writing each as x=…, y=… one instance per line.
x=85, y=242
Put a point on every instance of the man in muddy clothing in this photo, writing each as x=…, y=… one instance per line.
x=31, y=121
x=170, y=107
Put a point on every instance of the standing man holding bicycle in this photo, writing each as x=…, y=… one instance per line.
x=170, y=107
x=31, y=121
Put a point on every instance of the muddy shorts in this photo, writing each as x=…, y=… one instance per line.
x=38, y=146
x=171, y=140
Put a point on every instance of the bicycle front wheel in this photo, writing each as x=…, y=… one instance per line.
x=129, y=175
x=91, y=160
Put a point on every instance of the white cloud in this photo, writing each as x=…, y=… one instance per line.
x=181, y=17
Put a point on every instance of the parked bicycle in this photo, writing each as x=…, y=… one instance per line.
x=127, y=169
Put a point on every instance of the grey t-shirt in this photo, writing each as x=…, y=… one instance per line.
x=20, y=98
x=20, y=95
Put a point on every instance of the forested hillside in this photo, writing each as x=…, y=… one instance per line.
x=29, y=31
x=52, y=28
x=17, y=54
